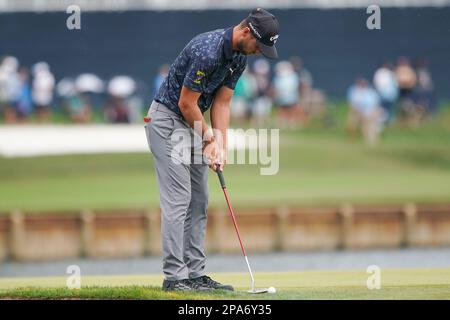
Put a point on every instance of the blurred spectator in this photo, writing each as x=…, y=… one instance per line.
x=286, y=95
x=425, y=98
x=364, y=111
x=3, y=87
x=24, y=105
x=136, y=107
x=304, y=75
x=386, y=84
x=10, y=87
x=407, y=80
x=137, y=101
x=72, y=102
x=312, y=100
x=159, y=79
x=244, y=93
x=262, y=104
x=42, y=90
x=91, y=88
x=120, y=89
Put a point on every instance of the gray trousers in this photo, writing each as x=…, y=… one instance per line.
x=183, y=186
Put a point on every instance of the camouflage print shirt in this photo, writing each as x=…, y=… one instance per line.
x=206, y=63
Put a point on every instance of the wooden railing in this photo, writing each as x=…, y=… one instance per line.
x=26, y=236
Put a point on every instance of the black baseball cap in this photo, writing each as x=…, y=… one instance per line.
x=265, y=28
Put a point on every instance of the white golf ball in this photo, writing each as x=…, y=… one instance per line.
x=271, y=290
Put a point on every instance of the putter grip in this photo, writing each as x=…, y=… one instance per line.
x=222, y=180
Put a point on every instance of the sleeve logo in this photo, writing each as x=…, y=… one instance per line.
x=200, y=76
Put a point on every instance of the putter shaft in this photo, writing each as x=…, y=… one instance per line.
x=233, y=218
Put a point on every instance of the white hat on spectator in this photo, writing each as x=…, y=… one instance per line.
x=41, y=67
x=122, y=86
x=89, y=82
x=10, y=64
x=66, y=87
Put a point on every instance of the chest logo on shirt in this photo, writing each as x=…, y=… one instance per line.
x=200, y=76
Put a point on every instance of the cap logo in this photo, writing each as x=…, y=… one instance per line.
x=254, y=30
x=274, y=38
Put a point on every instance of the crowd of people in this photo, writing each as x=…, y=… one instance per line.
x=398, y=92
x=288, y=88
x=19, y=97
x=27, y=92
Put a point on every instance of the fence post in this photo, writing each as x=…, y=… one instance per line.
x=17, y=235
x=409, y=223
x=346, y=213
x=87, y=232
x=282, y=215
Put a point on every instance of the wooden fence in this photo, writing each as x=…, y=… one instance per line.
x=41, y=236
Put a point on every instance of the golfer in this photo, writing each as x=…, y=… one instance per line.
x=203, y=76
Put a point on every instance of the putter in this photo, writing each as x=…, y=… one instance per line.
x=224, y=188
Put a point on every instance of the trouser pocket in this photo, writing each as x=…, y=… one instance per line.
x=147, y=135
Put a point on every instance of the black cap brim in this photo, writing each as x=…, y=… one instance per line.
x=268, y=51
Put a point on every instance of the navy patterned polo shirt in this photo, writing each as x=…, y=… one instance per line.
x=207, y=63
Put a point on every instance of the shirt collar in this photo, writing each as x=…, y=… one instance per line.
x=227, y=44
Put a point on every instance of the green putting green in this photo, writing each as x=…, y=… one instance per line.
x=352, y=284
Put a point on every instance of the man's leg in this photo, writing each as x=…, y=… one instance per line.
x=175, y=194
x=195, y=225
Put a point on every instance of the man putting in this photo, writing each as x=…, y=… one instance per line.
x=204, y=75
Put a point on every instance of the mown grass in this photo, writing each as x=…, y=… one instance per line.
x=395, y=284
x=318, y=165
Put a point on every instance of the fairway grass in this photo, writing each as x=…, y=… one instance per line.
x=318, y=166
x=315, y=169
x=395, y=284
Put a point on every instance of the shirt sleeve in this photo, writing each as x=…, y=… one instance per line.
x=197, y=72
x=233, y=77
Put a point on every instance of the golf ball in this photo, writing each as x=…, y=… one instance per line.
x=271, y=290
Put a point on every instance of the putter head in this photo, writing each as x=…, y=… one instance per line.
x=256, y=291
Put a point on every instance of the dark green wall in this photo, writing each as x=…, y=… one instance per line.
x=335, y=44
